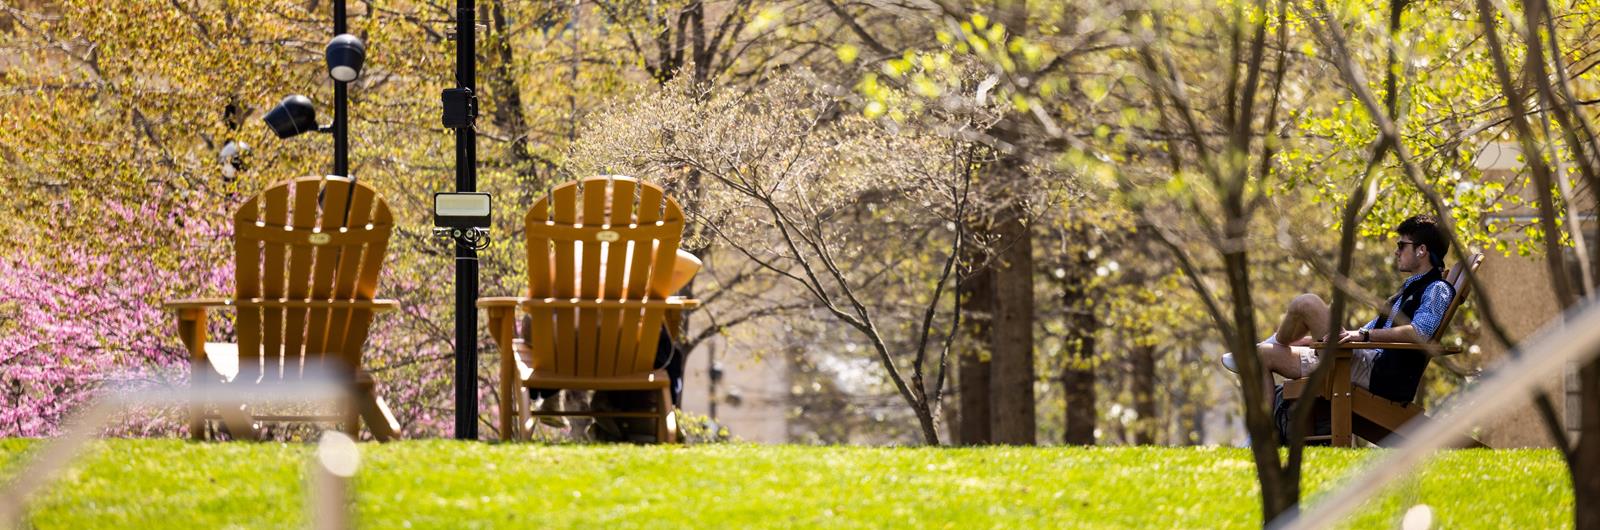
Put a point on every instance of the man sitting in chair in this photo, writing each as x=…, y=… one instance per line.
x=1414, y=313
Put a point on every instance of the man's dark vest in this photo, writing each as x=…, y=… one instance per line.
x=1396, y=373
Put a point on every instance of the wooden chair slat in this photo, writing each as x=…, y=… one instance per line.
x=565, y=212
x=304, y=217
x=622, y=195
x=346, y=275
x=640, y=252
x=644, y=353
x=627, y=338
x=541, y=255
x=606, y=352
x=666, y=250
x=666, y=257
x=366, y=287
x=588, y=341
x=247, y=276
x=274, y=265
x=539, y=251
x=543, y=346
x=356, y=337
x=594, y=217
x=372, y=259
x=595, y=191
x=335, y=199
x=247, y=270
x=566, y=336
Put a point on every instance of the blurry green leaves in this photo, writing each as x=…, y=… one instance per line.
x=847, y=52
x=764, y=19
x=897, y=67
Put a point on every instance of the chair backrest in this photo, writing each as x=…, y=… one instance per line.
x=601, y=238
x=308, y=239
x=1458, y=278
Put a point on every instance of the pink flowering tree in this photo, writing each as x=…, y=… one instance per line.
x=80, y=320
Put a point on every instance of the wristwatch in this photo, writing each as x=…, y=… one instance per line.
x=1366, y=335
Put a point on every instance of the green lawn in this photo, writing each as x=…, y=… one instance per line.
x=447, y=484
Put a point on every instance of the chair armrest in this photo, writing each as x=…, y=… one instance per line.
x=1431, y=348
x=488, y=302
x=197, y=303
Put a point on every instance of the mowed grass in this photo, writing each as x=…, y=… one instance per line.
x=448, y=484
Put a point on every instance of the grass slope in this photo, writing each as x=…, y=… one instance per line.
x=447, y=484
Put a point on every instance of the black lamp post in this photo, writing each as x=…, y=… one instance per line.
x=296, y=115
x=460, y=111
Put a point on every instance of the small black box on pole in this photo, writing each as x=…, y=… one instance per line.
x=460, y=108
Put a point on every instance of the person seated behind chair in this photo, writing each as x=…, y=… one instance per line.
x=1413, y=315
x=667, y=355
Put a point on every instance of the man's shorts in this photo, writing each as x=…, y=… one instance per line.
x=1360, y=367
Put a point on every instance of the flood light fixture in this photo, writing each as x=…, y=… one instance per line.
x=345, y=54
x=293, y=116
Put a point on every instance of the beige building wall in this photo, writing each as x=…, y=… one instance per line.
x=751, y=398
x=1519, y=290
x=1523, y=301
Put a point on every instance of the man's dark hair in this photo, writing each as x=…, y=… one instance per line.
x=1424, y=230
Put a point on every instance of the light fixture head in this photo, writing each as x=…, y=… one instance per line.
x=293, y=116
x=345, y=55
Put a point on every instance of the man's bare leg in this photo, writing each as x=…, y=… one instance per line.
x=1276, y=359
x=1306, y=315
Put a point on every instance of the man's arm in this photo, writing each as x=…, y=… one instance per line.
x=1435, y=301
x=1406, y=333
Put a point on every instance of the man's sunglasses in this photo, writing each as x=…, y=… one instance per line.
x=1401, y=245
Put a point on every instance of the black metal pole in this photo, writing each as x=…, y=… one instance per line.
x=341, y=105
x=466, y=257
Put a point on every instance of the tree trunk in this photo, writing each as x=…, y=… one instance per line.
x=977, y=303
x=1143, y=387
x=501, y=81
x=1011, y=335
x=1011, y=332
x=1077, y=382
x=1280, y=488
x=1078, y=368
x=1586, y=474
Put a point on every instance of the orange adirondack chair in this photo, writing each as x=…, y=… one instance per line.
x=308, y=252
x=601, y=253
x=1357, y=411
